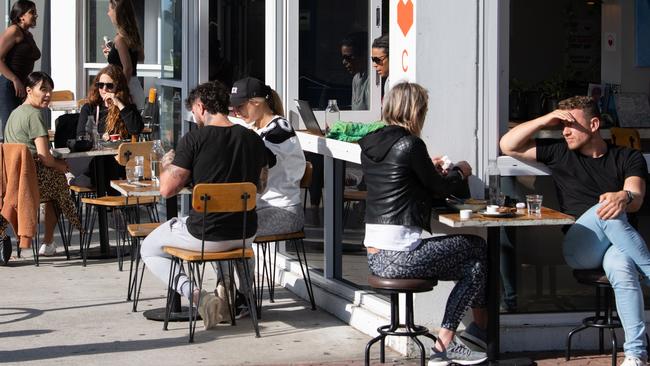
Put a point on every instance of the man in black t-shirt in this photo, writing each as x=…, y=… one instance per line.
x=599, y=184
x=217, y=152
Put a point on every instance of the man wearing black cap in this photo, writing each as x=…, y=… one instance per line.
x=217, y=152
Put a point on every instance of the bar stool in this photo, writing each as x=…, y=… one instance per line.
x=395, y=287
x=604, y=317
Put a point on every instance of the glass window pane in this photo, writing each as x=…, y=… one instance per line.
x=236, y=41
x=98, y=26
x=170, y=116
x=171, y=38
x=333, y=52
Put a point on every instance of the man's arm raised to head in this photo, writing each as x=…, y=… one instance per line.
x=173, y=179
x=519, y=142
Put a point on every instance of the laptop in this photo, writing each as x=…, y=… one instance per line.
x=308, y=117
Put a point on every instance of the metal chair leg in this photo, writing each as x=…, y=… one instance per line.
x=305, y=271
x=250, y=298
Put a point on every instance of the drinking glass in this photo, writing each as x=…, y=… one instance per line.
x=130, y=174
x=534, y=204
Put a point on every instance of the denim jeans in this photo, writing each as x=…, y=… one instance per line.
x=8, y=102
x=616, y=246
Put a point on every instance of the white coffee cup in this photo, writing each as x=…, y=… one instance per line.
x=492, y=209
x=465, y=214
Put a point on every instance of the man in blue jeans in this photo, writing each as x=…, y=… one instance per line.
x=599, y=184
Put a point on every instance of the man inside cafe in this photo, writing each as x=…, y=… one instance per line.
x=600, y=185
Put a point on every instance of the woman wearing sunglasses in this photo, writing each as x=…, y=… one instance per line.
x=110, y=103
x=380, y=61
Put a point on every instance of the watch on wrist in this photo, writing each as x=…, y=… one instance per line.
x=630, y=197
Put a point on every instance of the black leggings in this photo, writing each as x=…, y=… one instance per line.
x=461, y=258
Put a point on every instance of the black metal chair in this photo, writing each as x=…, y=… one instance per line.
x=266, y=267
x=604, y=316
x=409, y=329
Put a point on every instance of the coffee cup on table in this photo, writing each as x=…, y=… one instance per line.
x=492, y=209
x=465, y=214
x=115, y=137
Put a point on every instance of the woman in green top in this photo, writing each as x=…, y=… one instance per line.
x=26, y=126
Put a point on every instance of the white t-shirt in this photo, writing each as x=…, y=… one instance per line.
x=392, y=237
x=283, y=187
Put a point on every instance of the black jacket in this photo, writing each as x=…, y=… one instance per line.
x=401, y=178
x=130, y=115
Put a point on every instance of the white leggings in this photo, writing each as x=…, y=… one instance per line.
x=174, y=233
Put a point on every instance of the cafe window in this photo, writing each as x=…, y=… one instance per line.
x=329, y=56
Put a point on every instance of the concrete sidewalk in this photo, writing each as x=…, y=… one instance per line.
x=63, y=313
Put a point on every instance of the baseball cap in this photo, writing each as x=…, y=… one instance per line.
x=247, y=88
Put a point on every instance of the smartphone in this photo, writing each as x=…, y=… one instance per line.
x=108, y=42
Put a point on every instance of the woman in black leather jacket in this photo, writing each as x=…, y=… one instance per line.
x=402, y=181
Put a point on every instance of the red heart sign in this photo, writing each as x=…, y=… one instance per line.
x=405, y=15
x=609, y=42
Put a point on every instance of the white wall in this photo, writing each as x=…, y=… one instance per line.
x=64, y=45
x=619, y=66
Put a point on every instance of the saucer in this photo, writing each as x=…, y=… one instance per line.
x=498, y=214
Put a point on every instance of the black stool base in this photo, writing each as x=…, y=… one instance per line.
x=175, y=316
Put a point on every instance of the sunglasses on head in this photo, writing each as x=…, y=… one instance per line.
x=101, y=85
x=378, y=60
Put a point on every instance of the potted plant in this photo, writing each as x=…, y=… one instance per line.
x=553, y=90
x=517, y=100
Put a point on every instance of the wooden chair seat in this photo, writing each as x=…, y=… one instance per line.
x=80, y=189
x=117, y=201
x=194, y=256
x=280, y=237
x=354, y=195
x=142, y=230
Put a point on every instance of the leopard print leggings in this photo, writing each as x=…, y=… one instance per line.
x=53, y=186
x=461, y=258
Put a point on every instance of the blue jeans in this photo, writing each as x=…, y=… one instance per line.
x=616, y=246
x=8, y=102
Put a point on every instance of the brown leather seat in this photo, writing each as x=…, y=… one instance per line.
x=402, y=285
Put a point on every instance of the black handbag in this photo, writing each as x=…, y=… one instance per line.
x=5, y=251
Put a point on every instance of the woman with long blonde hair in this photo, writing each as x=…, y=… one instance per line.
x=402, y=181
x=126, y=49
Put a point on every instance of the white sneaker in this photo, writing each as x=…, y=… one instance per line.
x=633, y=361
x=47, y=250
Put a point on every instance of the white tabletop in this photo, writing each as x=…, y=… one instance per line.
x=64, y=106
x=64, y=153
x=347, y=151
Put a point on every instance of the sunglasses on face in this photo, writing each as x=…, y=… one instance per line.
x=101, y=85
x=348, y=58
x=378, y=60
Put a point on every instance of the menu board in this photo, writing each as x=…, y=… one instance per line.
x=632, y=109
